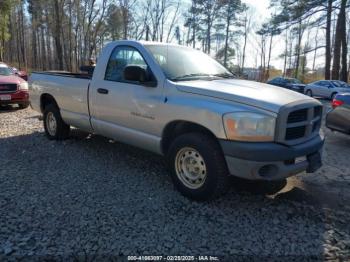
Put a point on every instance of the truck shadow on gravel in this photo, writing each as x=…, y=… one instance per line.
x=90, y=196
x=238, y=185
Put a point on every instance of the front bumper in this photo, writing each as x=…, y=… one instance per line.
x=272, y=161
x=19, y=97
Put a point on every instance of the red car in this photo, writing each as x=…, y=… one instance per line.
x=13, y=89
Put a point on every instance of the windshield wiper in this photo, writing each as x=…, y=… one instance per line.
x=225, y=75
x=190, y=76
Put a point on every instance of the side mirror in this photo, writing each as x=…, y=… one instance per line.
x=136, y=73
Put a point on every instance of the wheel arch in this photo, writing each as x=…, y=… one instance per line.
x=45, y=100
x=180, y=127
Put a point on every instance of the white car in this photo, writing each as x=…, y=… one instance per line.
x=326, y=88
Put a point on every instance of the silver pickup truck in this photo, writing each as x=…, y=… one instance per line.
x=180, y=103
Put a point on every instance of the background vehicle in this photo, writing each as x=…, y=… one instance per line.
x=339, y=118
x=326, y=88
x=180, y=103
x=13, y=89
x=289, y=83
x=20, y=73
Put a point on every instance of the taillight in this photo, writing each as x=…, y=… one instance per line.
x=336, y=103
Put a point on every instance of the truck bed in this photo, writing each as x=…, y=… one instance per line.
x=65, y=74
x=70, y=90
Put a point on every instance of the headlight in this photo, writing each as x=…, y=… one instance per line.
x=252, y=127
x=23, y=86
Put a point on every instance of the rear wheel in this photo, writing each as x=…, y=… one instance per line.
x=309, y=93
x=55, y=127
x=198, y=167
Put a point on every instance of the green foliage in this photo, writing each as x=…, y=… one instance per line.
x=291, y=12
x=231, y=53
x=5, y=10
x=114, y=23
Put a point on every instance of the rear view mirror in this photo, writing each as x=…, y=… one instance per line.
x=136, y=73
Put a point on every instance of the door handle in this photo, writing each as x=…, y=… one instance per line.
x=102, y=91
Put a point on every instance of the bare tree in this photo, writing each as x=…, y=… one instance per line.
x=247, y=20
x=340, y=45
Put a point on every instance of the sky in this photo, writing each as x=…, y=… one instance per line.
x=263, y=13
x=261, y=6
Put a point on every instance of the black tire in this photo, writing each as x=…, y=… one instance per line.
x=216, y=181
x=309, y=93
x=23, y=106
x=62, y=130
x=333, y=96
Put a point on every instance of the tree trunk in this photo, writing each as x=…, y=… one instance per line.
x=269, y=58
x=125, y=22
x=296, y=72
x=245, y=42
x=285, y=55
x=341, y=25
x=327, y=73
x=228, y=22
x=208, y=37
x=57, y=35
x=344, y=64
x=22, y=36
x=43, y=50
x=194, y=35
x=34, y=43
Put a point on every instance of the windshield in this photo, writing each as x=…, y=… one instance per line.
x=293, y=81
x=5, y=71
x=182, y=63
x=340, y=84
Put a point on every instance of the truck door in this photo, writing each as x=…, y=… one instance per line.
x=124, y=110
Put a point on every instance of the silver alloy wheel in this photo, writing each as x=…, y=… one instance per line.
x=190, y=168
x=51, y=123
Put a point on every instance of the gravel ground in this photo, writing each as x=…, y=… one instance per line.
x=89, y=198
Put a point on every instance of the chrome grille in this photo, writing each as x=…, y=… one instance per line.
x=298, y=122
x=8, y=88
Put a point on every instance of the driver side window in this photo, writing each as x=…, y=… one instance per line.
x=325, y=84
x=123, y=56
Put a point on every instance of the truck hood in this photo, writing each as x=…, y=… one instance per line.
x=12, y=79
x=255, y=94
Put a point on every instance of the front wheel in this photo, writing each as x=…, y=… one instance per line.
x=309, y=93
x=55, y=127
x=198, y=167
